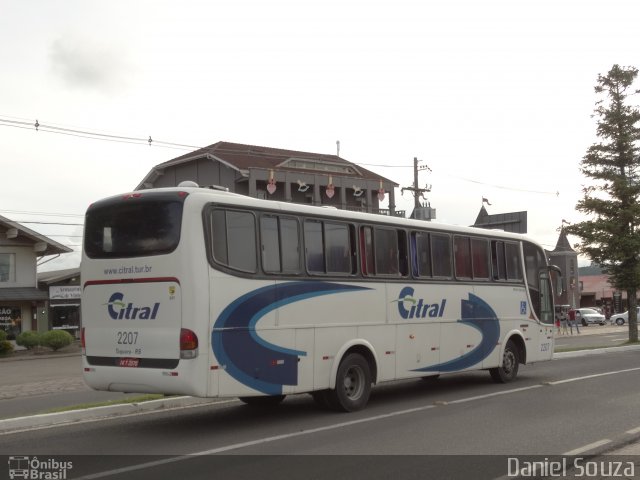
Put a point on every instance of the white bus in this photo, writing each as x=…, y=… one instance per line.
x=206, y=293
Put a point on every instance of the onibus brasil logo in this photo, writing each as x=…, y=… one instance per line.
x=40, y=469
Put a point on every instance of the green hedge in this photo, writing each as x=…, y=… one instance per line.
x=6, y=347
x=29, y=339
x=56, y=339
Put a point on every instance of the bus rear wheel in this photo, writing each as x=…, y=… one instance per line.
x=353, y=385
x=267, y=401
x=510, y=363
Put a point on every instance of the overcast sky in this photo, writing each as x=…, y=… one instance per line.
x=495, y=97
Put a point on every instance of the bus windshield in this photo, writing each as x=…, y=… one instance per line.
x=147, y=224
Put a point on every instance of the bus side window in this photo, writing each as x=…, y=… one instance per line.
x=234, y=239
x=441, y=255
x=498, y=266
x=403, y=254
x=480, y=258
x=512, y=259
x=423, y=254
x=314, y=250
x=386, y=251
x=337, y=248
x=366, y=251
x=462, y=256
x=290, y=245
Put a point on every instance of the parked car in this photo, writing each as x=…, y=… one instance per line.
x=622, y=318
x=587, y=316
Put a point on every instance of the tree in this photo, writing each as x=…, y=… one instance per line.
x=612, y=237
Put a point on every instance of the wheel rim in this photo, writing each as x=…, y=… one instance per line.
x=354, y=382
x=509, y=362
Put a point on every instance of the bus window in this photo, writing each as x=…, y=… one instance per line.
x=290, y=245
x=280, y=245
x=480, y=258
x=512, y=259
x=149, y=225
x=441, y=255
x=234, y=239
x=386, y=251
x=328, y=247
x=421, y=254
x=366, y=251
x=462, y=256
x=270, y=244
x=314, y=250
x=534, y=262
x=338, y=253
x=498, y=267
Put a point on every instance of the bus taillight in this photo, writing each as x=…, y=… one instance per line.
x=82, y=342
x=188, y=344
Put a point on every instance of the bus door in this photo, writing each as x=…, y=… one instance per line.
x=546, y=316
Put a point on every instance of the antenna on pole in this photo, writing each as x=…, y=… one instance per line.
x=338, y=147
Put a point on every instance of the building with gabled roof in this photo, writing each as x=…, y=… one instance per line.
x=22, y=304
x=279, y=174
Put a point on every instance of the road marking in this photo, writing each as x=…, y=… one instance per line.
x=596, y=375
x=586, y=448
x=284, y=436
x=633, y=431
x=259, y=441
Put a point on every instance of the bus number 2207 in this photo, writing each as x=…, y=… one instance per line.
x=127, y=338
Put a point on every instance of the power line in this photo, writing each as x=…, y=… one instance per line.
x=91, y=135
x=46, y=214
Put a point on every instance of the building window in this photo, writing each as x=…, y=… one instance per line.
x=7, y=267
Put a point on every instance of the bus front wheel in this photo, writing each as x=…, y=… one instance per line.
x=353, y=385
x=510, y=363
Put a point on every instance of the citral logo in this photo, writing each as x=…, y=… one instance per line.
x=418, y=308
x=119, y=310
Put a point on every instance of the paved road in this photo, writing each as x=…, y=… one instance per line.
x=553, y=408
x=41, y=383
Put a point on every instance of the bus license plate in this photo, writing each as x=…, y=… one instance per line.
x=128, y=362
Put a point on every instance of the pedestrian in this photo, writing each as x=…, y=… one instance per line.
x=558, y=324
x=572, y=321
x=563, y=323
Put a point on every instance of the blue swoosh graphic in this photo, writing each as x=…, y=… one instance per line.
x=247, y=357
x=477, y=314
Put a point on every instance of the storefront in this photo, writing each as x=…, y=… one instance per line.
x=64, y=308
x=11, y=320
x=21, y=309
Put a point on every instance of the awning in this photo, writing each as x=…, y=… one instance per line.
x=22, y=294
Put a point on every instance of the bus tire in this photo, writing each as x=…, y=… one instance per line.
x=353, y=384
x=510, y=363
x=267, y=401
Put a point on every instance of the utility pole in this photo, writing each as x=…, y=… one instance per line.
x=417, y=191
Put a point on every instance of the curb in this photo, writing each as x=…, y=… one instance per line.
x=12, y=425
x=595, y=351
x=37, y=356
